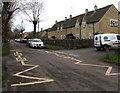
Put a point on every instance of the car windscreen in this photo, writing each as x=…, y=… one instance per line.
x=118, y=37
x=37, y=41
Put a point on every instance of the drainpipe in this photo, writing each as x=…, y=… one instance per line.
x=93, y=30
x=80, y=31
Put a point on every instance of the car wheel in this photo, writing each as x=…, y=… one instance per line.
x=98, y=48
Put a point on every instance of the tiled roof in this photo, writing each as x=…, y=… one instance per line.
x=90, y=17
x=98, y=14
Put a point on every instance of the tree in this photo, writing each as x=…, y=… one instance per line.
x=8, y=12
x=33, y=10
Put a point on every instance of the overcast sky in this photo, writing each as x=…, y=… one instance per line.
x=59, y=9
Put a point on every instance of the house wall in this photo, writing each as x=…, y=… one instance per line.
x=105, y=27
x=61, y=34
x=87, y=32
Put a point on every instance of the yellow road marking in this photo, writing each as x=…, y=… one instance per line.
x=17, y=54
x=79, y=62
x=32, y=83
x=40, y=80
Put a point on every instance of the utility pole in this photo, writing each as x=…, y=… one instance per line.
x=119, y=17
x=38, y=28
x=119, y=23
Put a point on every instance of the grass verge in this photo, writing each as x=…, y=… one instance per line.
x=112, y=58
x=5, y=49
x=52, y=47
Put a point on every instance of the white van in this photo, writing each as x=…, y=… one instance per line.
x=103, y=41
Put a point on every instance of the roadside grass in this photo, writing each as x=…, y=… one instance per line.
x=51, y=47
x=5, y=49
x=112, y=58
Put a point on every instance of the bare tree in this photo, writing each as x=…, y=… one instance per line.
x=33, y=10
x=9, y=10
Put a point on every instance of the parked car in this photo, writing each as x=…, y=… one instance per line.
x=17, y=39
x=22, y=40
x=36, y=43
x=28, y=42
x=103, y=41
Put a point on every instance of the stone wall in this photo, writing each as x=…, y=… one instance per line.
x=71, y=43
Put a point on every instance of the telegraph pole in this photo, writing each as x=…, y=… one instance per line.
x=119, y=17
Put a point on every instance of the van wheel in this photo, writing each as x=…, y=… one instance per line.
x=105, y=47
x=98, y=48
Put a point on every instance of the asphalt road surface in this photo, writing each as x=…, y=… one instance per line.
x=61, y=70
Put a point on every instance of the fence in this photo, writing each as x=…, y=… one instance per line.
x=71, y=43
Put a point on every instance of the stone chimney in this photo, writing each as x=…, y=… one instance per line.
x=56, y=22
x=70, y=16
x=86, y=11
x=95, y=7
x=65, y=18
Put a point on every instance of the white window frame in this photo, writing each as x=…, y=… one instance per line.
x=113, y=22
x=77, y=26
x=83, y=24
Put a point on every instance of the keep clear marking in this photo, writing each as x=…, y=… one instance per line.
x=18, y=74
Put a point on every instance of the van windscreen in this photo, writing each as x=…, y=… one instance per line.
x=118, y=37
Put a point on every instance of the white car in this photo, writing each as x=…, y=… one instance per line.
x=17, y=40
x=102, y=41
x=36, y=43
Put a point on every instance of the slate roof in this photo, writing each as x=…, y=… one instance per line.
x=90, y=17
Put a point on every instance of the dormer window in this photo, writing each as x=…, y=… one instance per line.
x=83, y=24
x=76, y=26
x=58, y=28
x=61, y=28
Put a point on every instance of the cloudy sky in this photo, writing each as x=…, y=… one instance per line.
x=59, y=9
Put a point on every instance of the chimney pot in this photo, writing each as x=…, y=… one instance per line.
x=65, y=18
x=70, y=16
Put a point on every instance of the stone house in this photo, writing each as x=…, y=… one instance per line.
x=84, y=26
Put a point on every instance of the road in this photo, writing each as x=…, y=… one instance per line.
x=61, y=70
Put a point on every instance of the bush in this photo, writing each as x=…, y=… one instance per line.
x=113, y=58
x=5, y=49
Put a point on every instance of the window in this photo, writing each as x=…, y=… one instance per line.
x=90, y=36
x=76, y=26
x=84, y=24
x=84, y=36
x=96, y=38
x=61, y=28
x=106, y=38
x=118, y=37
x=58, y=28
x=113, y=23
x=77, y=36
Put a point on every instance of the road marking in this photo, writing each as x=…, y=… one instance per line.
x=17, y=54
x=79, y=62
x=14, y=50
x=18, y=74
